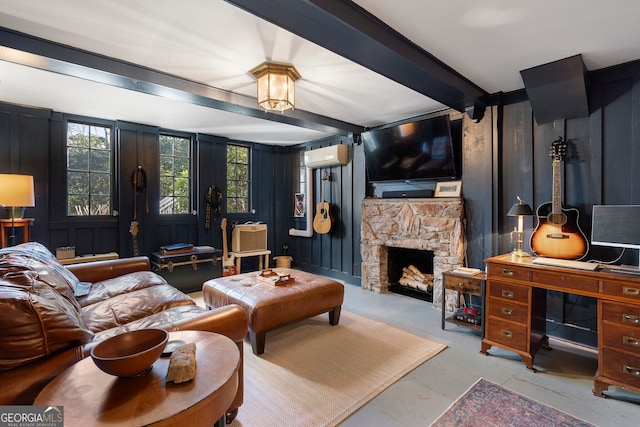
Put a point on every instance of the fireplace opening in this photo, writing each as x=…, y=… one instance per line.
x=410, y=272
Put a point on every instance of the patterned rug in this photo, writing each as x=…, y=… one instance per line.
x=487, y=404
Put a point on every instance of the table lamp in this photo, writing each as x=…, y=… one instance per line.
x=520, y=210
x=16, y=192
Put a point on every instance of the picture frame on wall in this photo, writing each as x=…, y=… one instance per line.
x=448, y=189
x=299, y=210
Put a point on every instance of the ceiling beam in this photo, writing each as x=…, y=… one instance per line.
x=350, y=31
x=34, y=52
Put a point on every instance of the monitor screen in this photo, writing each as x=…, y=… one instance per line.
x=616, y=226
x=419, y=150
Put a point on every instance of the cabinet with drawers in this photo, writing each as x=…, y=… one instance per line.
x=516, y=310
x=515, y=313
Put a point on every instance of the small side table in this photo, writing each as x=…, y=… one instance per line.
x=93, y=398
x=23, y=223
x=466, y=285
x=259, y=254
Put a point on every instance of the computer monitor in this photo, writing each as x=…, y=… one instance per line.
x=616, y=226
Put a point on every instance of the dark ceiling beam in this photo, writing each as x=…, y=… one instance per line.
x=34, y=52
x=350, y=31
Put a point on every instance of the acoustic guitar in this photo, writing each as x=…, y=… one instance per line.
x=228, y=260
x=323, y=221
x=557, y=233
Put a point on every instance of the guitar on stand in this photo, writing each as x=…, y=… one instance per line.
x=557, y=233
x=228, y=260
x=323, y=221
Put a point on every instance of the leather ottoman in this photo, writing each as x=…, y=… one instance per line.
x=269, y=307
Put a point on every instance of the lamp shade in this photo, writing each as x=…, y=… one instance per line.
x=16, y=190
x=276, y=86
x=520, y=209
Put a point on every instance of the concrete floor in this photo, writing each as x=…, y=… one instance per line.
x=564, y=379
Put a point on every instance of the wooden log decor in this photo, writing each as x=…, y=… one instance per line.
x=414, y=278
x=182, y=366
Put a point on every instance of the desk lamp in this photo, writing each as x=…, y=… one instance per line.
x=16, y=191
x=520, y=210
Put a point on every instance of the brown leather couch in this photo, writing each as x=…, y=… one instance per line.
x=52, y=316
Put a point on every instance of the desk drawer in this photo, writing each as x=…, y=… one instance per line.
x=568, y=281
x=462, y=284
x=510, y=334
x=622, y=367
x=508, y=291
x=507, y=310
x=628, y=315
x=621, y=289
x=508, y=271
x=622, y=338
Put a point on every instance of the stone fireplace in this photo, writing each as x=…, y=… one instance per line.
x=434, y=225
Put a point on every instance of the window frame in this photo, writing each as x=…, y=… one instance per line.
x=250, y=210
x=89, y=121
x=193, y=179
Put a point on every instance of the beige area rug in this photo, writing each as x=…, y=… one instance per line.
x=313, y=374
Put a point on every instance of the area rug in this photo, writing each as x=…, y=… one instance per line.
x=314, y=374
x=489, y=405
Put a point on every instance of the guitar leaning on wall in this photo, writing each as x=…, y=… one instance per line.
x=557, y=233
x=323, y=221
x=228, y=260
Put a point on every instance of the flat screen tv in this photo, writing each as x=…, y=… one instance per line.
x=420, y=150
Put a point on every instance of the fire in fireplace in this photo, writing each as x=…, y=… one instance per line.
x=410, y=272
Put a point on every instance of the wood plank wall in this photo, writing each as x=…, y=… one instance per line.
x=503, y=156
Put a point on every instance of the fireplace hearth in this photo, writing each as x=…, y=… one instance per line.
x=410, y=272
x=434, y=225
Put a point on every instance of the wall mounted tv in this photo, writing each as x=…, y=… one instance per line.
x=420, y=150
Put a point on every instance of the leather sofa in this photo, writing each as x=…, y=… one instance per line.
x=52, y=316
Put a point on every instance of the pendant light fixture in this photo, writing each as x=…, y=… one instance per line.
x=276, y=86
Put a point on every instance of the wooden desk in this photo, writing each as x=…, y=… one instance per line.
x=5, y=224
x=259, y=254
x=93, y=398
x=516, y=315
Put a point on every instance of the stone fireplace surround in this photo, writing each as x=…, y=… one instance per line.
x=429, y=224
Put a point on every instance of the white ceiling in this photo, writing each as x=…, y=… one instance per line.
x=215, y=43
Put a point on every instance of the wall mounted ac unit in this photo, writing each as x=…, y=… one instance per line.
x=333, y=155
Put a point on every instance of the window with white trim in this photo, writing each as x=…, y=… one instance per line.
x=175, y=175
x=89, y=152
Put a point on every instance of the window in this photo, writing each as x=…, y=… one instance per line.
x=175, y=175
x=237, y=179
x=89, y=169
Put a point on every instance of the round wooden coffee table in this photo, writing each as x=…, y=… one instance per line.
x=91, y=397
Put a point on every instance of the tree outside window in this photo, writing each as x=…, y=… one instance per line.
x=175, y=175
x=89, y=166
x=238, y=179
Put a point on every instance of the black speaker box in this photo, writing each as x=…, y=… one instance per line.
x=407, y=194
x=557, y=90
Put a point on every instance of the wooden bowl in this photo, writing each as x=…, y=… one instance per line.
x=130, y=353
